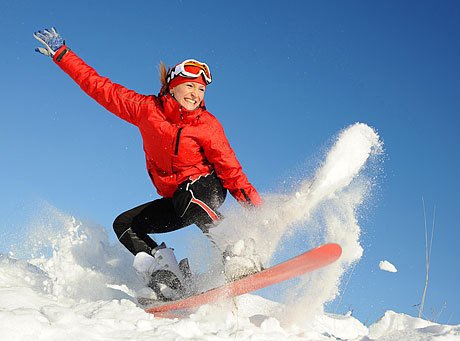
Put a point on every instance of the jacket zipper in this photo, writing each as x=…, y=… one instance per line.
x=176, y=149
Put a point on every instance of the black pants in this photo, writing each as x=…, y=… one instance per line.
x=194, y=202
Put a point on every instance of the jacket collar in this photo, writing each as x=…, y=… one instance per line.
x=176, y=113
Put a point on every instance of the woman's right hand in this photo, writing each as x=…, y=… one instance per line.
x=51, y=39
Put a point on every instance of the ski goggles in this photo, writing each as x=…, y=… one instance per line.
x=190, y=68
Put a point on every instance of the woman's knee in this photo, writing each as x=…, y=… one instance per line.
x=121, y=224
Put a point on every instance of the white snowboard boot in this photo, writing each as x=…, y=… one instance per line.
x=241, y=259
x=160, y=271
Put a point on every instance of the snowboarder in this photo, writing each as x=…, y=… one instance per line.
x=188, y=158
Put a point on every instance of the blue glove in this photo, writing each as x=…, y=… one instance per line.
x=51, y=39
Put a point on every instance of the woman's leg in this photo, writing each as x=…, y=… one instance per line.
x=133, y=226
x=195, y=202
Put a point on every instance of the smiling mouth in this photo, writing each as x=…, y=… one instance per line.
x=191, y=101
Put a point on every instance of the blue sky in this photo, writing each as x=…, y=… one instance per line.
x=287, y=77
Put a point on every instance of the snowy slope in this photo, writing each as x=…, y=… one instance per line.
x=73, y=283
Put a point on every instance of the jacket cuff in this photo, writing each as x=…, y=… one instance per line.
x=60, y=53
x=247, y=197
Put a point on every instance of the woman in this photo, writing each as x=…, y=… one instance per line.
x=188, y=157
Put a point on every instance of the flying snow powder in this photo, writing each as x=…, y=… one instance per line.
x=387, y=266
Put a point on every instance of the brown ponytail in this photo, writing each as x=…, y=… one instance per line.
x=163, y=70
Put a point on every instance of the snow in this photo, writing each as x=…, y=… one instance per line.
x=68, y=282
x=387, y=266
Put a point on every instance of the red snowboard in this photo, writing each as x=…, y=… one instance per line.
x=306, y=262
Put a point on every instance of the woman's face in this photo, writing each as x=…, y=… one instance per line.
x=189, y=94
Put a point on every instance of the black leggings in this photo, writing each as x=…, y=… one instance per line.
x=194, y=202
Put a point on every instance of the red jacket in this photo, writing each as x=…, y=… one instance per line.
x=178, y=144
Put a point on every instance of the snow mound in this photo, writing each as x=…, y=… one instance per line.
x=29, y=311
x=393, y=326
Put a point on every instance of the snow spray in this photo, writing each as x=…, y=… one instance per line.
x=324, y=207
x=76, y=257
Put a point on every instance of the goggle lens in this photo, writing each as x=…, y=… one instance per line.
x=197, y=68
